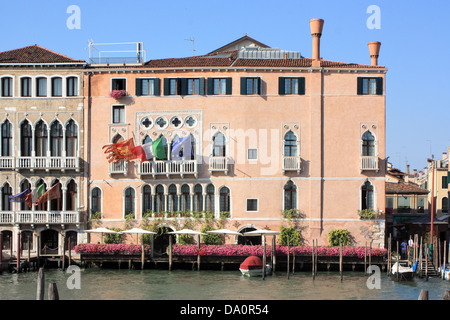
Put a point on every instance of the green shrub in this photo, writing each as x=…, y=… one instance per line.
x=335, y=235
x=367, y=214
x=294, y=236
x=113, y=238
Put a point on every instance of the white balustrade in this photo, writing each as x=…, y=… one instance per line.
x=369, y=163
x=167, y=167
x=47, y=163
x=292, y=163
x=40, y=217
x=218, y=164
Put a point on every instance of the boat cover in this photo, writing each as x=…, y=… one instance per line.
x=251, y=263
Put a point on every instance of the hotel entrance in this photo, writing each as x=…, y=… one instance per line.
x=49, y=242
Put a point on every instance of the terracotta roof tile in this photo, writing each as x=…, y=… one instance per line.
x=404, y=187
x=34, y=54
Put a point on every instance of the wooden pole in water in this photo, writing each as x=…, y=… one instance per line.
x=312, y=257
x=423, y=295
x=151, y=243
x=365, y=256
x=40, y=285
x=63, y=251
x=1, y=252
x=29, y=253
x=170, y=252
x=18, y=252
x=142, y=253
x=370, y=254
x=288, y=254
x=447, y=295
x=340, y=260
x=426, y=265
x=264, y=257
x=445, y=259
x=389, y=254
x=421, y=257
x=53, y=291
x=70, y=249
x=198, y=254
x=274, y=256
x=293, y=259
x=398, y=262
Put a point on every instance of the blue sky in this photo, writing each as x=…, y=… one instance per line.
x=414, y=36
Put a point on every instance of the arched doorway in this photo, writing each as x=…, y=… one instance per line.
x=252, y=241
x=6, y=240
x=161, y=240
x=71, y=238
x=49, y=241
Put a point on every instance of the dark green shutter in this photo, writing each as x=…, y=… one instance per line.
x=157, y=86
x=166, y=86
x=301, y=86
x=243, y=86
x=210, y=86
x=259, y=86
x=281, y=85
x=228, y=84
x=138, y=87
x=380, y=86
x=201, y=90
x=360, y=86
x=182, y=85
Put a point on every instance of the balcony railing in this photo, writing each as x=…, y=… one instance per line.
x=292, y=164
x=369, y=163
x=120, y=167
x=218, y=164
x=168, y=167
x=39, y=217
x=40, y=163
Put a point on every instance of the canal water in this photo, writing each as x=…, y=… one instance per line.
x=156, y=284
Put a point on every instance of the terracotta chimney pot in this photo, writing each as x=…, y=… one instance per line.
x=374, y=49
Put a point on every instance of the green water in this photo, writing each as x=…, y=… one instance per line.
x=113, y=284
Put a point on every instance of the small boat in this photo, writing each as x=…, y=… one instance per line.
x=253, y=266
x=404, y=273
x=445, y=272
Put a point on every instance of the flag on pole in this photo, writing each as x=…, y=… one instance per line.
x=20, y=197
x=51, y=194
x=34, y=195
x=120, y=150
x=152, y=149
x=182, y=148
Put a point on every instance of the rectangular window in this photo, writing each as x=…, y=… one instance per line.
x=252, y=205
x=41, y=87
x=444, y=182
x=193, y=86
x=118, y=114
x=72, y=86
x=252, y=154
x=148, y=87
x=370, y=86
x=7, y=84
x=404, y=204
x=119, y=84
x=56, y=87
x=421, y=201
x=252, y=86
x=219, y=86
x=389, y=205
x=173, y=87
x=25, y=87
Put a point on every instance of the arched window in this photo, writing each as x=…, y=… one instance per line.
x=25, y=238
x=129, y=200
x=26, y=139
x=7, y=239
x=71, y=239
x=71, y=196
x=41, y=188
x=6, y=193
x=290, y=144
x=117, y=138
x=146, y=199
x=166, y=147
x=24, y=186
x=159, y=198
x=444, y=204
x=219, y=145
x=185, y=199
x=290, y=196
x=198, y=198
x=173, y=199
x=71, y=138
x=224, y=199
x=146, y=139
x=210, y=193
x=367, y=196
x=96, y=200
x=56, y=204
x=41, y=136
x=56, y=139
x=6, y=138
x=368, y=144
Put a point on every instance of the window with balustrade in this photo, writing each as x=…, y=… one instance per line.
x=41, y=139
x=71, y=196
x=40, y=185
x=290, y=144
x=71, y=138
x=56, y=204
x=26, y=139
x=368, y=144
x=25, y=185
x=219, y=145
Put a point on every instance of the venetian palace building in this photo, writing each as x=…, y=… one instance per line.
x=268, y=131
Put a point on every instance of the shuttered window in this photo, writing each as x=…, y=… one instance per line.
x=370, y=86
x=291, y=85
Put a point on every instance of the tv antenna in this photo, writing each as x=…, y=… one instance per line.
x=192, y=40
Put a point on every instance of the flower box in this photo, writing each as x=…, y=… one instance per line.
x=117, y=94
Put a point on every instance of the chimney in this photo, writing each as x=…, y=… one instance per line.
x=316, y=32
x=415, y=172
x=444, y=155
x=407, y=168
x=374, y=49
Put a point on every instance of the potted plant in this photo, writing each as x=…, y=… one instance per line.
x=117, y=94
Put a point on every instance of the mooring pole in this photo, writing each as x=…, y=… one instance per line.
x=40, y=285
